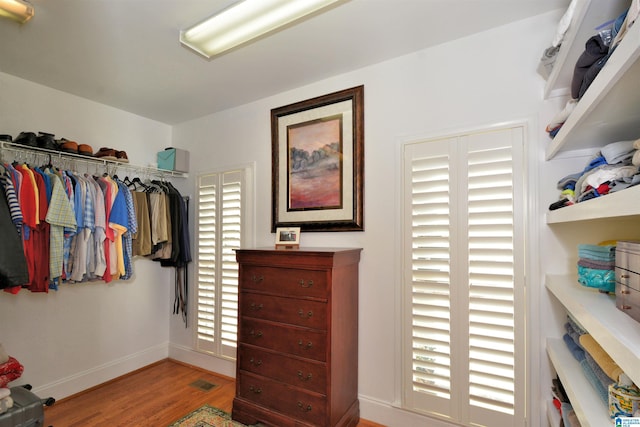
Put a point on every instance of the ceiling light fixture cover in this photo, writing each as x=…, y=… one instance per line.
x=18, y=10
x=245, y=21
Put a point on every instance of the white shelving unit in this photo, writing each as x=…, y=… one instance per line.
x=622, y=203
x=589, y=408
x=617, y=333
x=609, y=111
x=587, y=16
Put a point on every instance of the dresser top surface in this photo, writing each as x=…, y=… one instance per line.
x=302, y=249
x=303, y=256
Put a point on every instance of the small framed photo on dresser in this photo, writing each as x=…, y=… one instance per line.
x=288, y=238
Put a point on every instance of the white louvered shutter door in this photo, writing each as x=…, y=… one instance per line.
x=466, y=277
x=220, y=216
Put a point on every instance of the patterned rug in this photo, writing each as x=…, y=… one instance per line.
x=207, y=416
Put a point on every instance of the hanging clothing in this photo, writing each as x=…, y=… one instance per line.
x=13, y=264
x=141, y=239
x=60, y=215
x=65, y=227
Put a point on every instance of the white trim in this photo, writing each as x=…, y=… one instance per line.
x=97, y=375
x=392, y=416
x=203, y=360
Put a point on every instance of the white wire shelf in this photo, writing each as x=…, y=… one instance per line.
x=68, y=160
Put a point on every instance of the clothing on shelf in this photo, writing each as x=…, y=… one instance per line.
x=610, y=170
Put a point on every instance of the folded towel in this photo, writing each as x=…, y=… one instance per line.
x=603, y=360
x=597, y=252
x=575, y=350
x=4, y=392
x=602, y=377
x=616, y=152
x=603, y=392
x=600, y=265
x=603, y=280
x=575, y=325
x=575, y=336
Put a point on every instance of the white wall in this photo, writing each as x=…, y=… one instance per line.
x=85, y=334
x=473, y=82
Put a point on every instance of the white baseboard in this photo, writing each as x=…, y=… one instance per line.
x=391, y=416
x=205, y=361
x=84, y=380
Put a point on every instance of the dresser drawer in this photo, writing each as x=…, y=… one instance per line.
x=288, y=339
x=628, y=255
x=303, y=373
x=628, y=278
x=301, y=312
x=299, y=404
x=285, y=281
x=628, y=301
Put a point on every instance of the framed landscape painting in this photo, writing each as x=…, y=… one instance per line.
x=317, y=163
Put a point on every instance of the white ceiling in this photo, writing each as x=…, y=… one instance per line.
x=126, y=53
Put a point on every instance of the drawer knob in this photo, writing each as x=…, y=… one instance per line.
x=302, y=314
x=255, y=334
x=302, y=377
x=624, y=276
x=625, y=292
x=256, y=307
x=307, y=345
x=256, y=390
x=306, y=284
x=303, y=407
x=625, y=307
x=255, y=362
x=257, y=279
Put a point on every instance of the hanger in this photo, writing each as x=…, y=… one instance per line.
x=146, y=187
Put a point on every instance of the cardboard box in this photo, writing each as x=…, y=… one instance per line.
x=173, y=159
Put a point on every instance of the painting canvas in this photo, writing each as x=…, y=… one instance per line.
x=315, y=164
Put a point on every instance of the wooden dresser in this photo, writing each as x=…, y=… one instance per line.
x=297, y=362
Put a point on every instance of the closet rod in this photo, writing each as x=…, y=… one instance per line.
x=19, y=148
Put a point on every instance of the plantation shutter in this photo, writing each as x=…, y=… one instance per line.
x=463, y=276
x=220, y=213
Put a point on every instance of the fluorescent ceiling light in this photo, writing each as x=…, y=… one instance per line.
x=18, y=10
x=246, y=21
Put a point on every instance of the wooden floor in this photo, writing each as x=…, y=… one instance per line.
x=154, y=396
